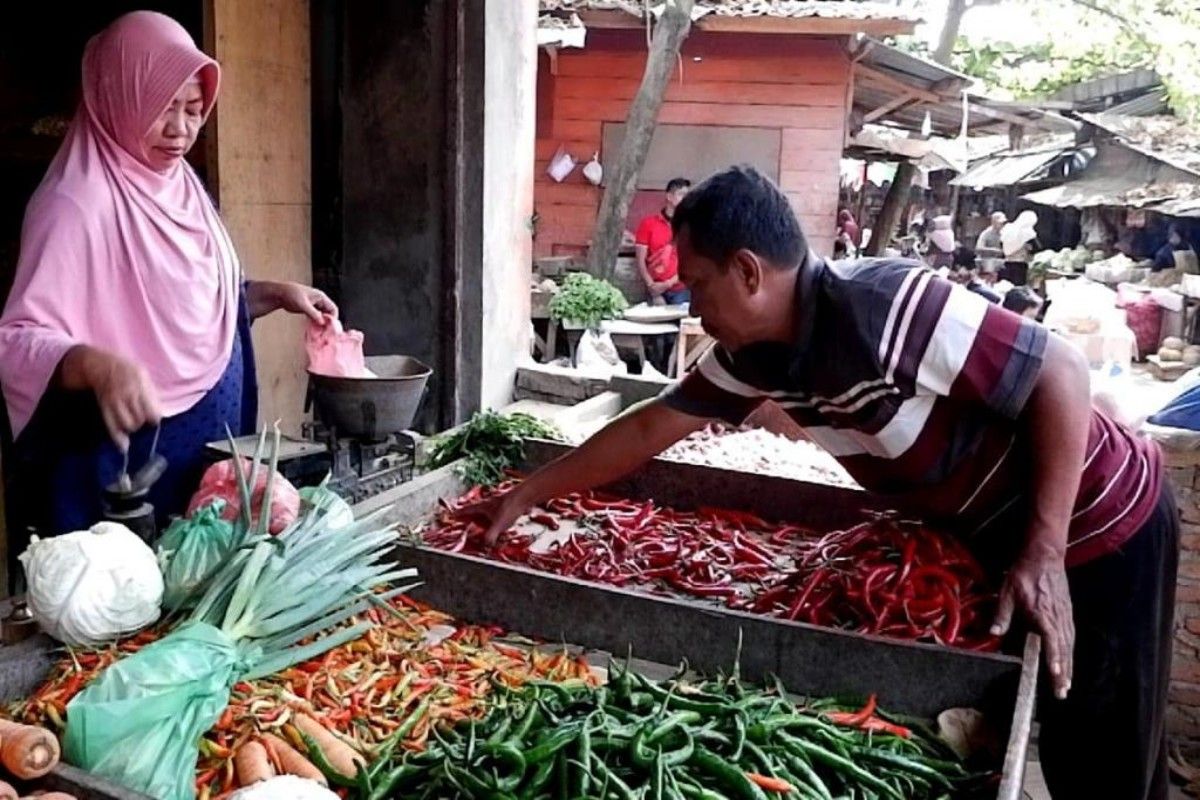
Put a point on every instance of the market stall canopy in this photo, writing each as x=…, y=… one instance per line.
x=886, y=144
x=1164, y=138
x=828, y=17
x=1121, y=176
x=903, y=90
x=1014, y=167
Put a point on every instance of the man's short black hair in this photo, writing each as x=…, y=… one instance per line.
x=678, y=183
x=737, y=209
x=1021, y=298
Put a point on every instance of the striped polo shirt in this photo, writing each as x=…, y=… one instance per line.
x=916, y=386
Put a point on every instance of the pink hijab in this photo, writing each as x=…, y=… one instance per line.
x=114, y=254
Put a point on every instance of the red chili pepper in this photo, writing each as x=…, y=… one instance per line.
x=877, y=725
x=855, y=718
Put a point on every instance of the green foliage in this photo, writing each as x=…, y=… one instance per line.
x=587, y=300
x=1087, y=39
x=488, y=445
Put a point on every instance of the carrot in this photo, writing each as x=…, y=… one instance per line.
x=341, y=756
x=27, y=751
x=769, y=783
x=7, y=792
x=291, y=761
x=252, y=764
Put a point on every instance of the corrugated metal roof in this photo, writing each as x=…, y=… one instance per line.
x=1013, y=168
x=1123, y=177
x=785, y=9
x=1108, y=85
x=1169, y=139
x=894, y=60
x=1152, y=104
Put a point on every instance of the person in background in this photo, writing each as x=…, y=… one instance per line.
x=988, y=245
x=848, y=227
x=941, y=243
x=1019, y=241
x=840, y=249
x=654, y=250
x=128, y=325
x=1024, y=301
x=1176, y=253
x=965, y=274
x=967, y=415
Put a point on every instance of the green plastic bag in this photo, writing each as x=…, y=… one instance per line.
x=331, y=503
x=190, y=552
x=138, y=723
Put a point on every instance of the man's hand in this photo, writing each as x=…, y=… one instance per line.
x=659, y=288
x=1037, y=584
x=496, y=514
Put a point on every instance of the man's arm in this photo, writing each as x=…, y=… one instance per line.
x=619, y=448
x=1057, y=418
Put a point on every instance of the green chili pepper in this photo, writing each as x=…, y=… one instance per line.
x=731, y=777
x=840, y=764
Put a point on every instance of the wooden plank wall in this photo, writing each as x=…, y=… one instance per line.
x=261, y=165
x=796, y=84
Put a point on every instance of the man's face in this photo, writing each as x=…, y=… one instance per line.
x=723, y=296
x=675, y=197
x=998, y=221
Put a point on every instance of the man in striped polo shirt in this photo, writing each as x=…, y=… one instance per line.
x=965, y=413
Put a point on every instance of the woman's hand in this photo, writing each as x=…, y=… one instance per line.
x=127, y=397
x=264, y=297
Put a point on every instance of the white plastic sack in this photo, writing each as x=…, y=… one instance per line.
x=561, y=165
x=88, y=588
x=593, y=171
x=596, y=354
x=284, y=787
x=1016, y=234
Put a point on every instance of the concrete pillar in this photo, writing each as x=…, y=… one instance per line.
x=509, y=131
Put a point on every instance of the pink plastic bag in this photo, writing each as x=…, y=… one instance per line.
x=335, y=352
x=220, y=482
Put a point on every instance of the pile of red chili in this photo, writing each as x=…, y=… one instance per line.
x=883, y=577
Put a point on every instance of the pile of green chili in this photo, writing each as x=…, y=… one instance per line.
x=635, y=738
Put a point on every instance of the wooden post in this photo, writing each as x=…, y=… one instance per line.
x=893, y=207
x=621, y=182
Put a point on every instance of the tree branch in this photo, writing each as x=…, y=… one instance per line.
x=1121, y=19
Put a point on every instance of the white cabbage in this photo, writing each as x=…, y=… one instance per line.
x=284, y=787
x=90, y=587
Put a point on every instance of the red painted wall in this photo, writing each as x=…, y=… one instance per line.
x=797, y=84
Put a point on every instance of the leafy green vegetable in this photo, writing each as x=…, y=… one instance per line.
x=587, y=300
x=488, y=444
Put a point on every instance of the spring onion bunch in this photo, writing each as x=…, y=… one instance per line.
x=277, y=591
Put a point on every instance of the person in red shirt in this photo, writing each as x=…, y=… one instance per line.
x=655, y=251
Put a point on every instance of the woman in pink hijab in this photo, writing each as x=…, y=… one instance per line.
x=129, y=310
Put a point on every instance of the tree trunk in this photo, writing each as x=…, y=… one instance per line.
x=621, y=178
x=945, y=47
x=893, y=207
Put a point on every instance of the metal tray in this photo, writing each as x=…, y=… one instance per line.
x=910, y=678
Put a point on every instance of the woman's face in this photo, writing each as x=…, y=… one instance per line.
x=176, y=129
